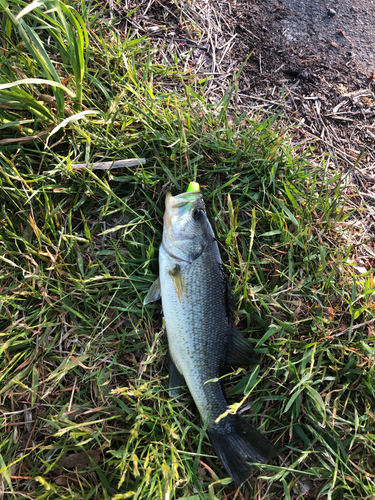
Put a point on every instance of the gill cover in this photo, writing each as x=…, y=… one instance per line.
x=184, y=233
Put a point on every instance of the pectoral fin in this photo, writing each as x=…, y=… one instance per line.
x=176, y=380
x=177, y=281
x=154, y=292
x=240, y=352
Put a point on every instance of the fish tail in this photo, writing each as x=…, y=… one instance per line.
x=238, y=445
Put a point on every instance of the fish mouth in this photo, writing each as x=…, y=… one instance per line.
x=180, y=205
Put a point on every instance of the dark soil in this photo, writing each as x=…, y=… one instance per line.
x=307, y=40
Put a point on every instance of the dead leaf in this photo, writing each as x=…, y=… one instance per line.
x=82, y=365
x=331, y=313
x=79, y=461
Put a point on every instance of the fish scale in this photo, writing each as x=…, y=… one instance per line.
x=197, y=327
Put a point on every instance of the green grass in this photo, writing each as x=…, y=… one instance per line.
x=83, y=362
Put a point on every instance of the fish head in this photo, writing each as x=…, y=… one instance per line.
x=186, y=226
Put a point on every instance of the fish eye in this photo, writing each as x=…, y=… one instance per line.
x=197, y=214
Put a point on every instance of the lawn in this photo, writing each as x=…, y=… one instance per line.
x=84, y=407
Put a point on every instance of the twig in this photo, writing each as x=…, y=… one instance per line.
x=110, y=165
x=353, y=328
x=29, y=138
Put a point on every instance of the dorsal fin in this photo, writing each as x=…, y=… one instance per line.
x=240, y=352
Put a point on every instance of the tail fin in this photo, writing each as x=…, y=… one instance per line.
x=238, y=444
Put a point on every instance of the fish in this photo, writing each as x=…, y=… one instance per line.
x=202, y=340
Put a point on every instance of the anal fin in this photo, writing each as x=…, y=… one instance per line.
x=176, y=380
x=240, y=352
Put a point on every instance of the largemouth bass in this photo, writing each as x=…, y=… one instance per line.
x=201, y=337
